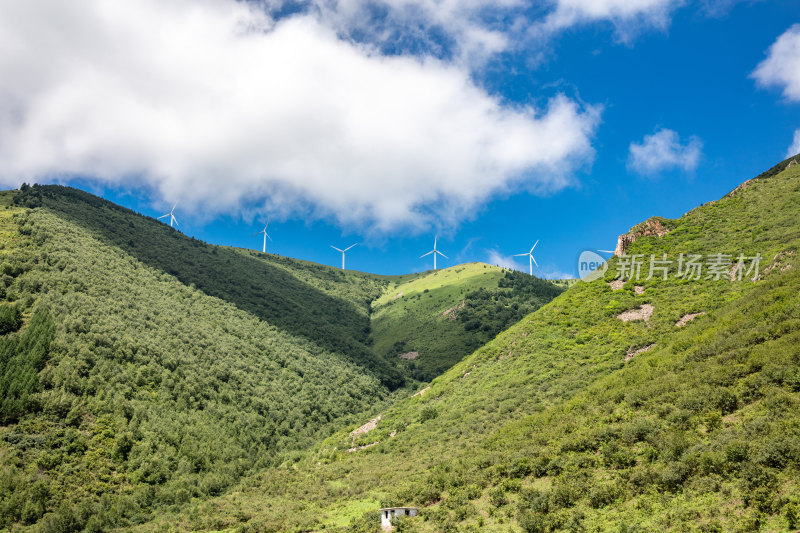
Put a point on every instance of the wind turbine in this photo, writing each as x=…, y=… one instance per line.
x=531, y=260
x=171, y=215
x=343, y=251
x=266, y=236
x=434, y=252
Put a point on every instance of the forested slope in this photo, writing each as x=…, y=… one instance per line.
x=667, y=404
x=429, y=322
x=143, y=369
x=127, y=391
x=322, y=304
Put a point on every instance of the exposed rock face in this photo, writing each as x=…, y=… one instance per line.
x=741, y=187
x=685, y=319
x=366, y=428
x=643, y=312
x=452, y=313
x=421, y=392
x=633, y=353
x=409, y=355
x=652, y=227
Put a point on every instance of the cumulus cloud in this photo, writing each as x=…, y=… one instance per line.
x=628, y=16
x=556, y=274
x=782, y=66
x=663, y=151
x=218, y=105
x=505, y=261
x=794, y=149
x=463, y=30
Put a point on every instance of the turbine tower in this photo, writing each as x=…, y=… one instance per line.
x=531, y=260
x=266, y=236
x=171, y=216
x=343, y=251
x=434, y=252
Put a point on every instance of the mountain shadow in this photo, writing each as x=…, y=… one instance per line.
x=250, y=281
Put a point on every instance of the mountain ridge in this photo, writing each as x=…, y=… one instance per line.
x=175, y=369
x=563, y=422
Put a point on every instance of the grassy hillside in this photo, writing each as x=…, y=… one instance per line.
x=141, y=369
x=435, y=319
x=127, y=391
x=575, y=420
x=322, y=304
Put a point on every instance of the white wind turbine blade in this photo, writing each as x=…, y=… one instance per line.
x=337, y=249
x=175, y=220
x=349, y=247
x=534, y=261
x=440, y=253
x=162, y=216
x=429, y=253
x=265, y=230
x=520, y=255
x=534, y=246
x=607, y=251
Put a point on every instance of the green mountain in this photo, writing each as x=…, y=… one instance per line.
x=663, y=403
x=429, y=322
x=142, y=370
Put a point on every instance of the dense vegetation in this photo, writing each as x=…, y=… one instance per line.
x=489, y=312
x=127, y=391
x=444, y=315
x=322, y=304
x=573, y=420
x=143, y=369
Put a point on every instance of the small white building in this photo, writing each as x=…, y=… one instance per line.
x=389, y=513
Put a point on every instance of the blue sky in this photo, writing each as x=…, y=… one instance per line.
x=492, y=127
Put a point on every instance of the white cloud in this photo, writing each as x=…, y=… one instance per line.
x=628, y=16
x=794, y=149
x=663, y=151
x=457, y=28
x=556, y=274
x=471, y=31
x=505, y=261
x=214, y=103
x=782, y=65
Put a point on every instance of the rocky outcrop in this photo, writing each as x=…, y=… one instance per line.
x=633, y=353
x=366, y=428
x=685, y=319
x=652, y=227
x=643, y=312
x=452, y=313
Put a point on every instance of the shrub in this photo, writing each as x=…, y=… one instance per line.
x=497, y=496
x=602, y=495
x=10, y=319
x=428, y=413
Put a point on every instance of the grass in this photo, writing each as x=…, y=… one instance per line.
x=175, y=369
x=547, y=428
x=434, y=314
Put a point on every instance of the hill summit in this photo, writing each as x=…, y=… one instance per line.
x=143, y=369
x=663, y=397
